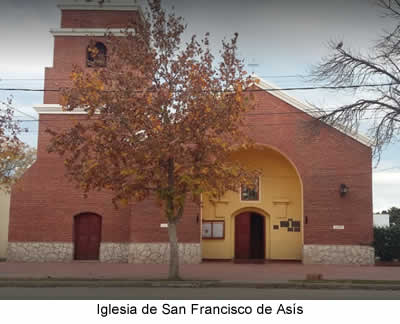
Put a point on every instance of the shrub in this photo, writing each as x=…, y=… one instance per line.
x=387, y=242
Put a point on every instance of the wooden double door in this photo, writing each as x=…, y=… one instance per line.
x=249, y=237
x=87, y=236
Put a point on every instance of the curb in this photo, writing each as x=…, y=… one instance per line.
x=98, y=283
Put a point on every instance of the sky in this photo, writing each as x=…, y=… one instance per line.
x=284, y=38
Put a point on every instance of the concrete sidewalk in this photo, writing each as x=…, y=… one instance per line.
x=208, y=271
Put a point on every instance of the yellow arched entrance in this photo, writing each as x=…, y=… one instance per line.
x=279, y=202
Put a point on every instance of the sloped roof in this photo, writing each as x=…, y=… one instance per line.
x=309, y=110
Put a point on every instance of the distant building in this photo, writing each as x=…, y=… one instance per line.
x=381, y=220
x=4, y=217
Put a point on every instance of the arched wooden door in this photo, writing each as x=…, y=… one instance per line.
x=249, y=236
x=87, y=236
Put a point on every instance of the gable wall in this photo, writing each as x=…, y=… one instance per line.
x=324, y=161
x=48, y=201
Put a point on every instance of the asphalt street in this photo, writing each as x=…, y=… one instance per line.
x=192, y=293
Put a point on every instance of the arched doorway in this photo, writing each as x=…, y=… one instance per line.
x=279, y=202
x=249, y=237
x=87, y=236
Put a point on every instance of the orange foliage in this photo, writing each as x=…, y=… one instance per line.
x=166, y=127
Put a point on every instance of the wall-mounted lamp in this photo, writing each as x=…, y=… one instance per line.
x=343, y=190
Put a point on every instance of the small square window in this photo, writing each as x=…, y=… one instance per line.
x=213, y=230
x=251, y=193
x=218, y=230
x=207, y=229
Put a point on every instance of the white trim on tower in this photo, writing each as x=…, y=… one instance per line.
x=89, y=31
x=54, y=109
x=118, y=6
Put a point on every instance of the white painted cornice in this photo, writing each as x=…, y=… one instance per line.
x=54, y=109
x=106, y=6
x=89, y=31
x=264, y=85
x=94, y=5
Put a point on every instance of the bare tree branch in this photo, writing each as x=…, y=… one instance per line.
x=380, y=104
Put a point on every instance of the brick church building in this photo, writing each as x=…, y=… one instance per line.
x=313, y=202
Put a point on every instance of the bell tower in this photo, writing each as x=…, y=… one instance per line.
x=83, y=21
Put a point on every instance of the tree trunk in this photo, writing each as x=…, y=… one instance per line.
x=173, y=252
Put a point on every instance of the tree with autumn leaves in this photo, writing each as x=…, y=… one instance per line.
x=163, y=118
x=15, y=156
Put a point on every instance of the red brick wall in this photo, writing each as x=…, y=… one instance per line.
x=44, y=206
x=324, y=161
x=69, y=51
x=146, y=217
x=43, y=209
x=98, y=18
